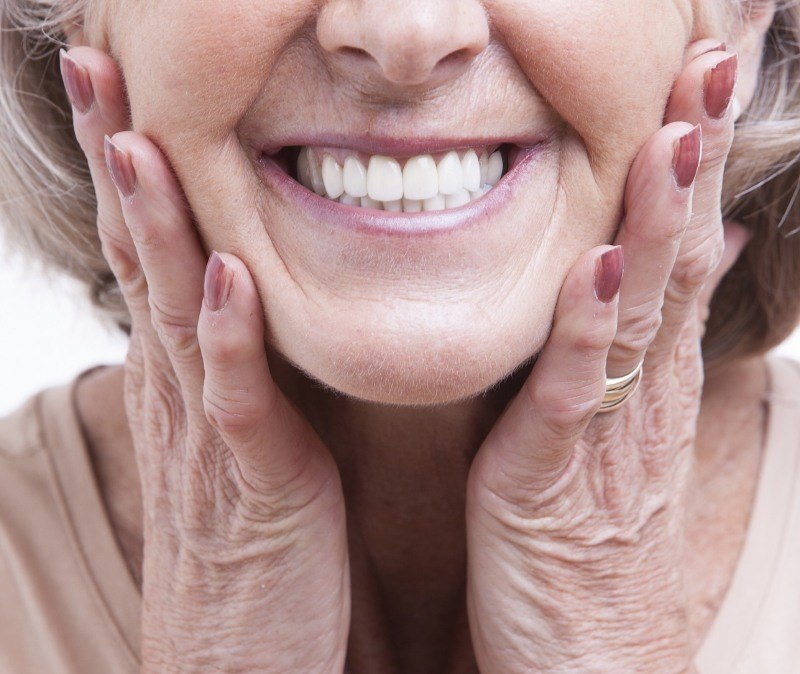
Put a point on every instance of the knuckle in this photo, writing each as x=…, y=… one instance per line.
x=174, y=329
x=716, y=149
x=694, y=268
x=637, y=332
x=92, y=145
x=563, y=410
x=233, y=418
x=222, y=346
x=133, y=284
x=165, y=411
x=111, y=226
x=595, y=340
x=123, y=265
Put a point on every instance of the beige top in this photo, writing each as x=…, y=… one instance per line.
x=68, y=603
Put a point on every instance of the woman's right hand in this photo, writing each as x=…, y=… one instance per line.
x=245, y=546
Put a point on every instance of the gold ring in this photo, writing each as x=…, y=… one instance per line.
x=619, y=389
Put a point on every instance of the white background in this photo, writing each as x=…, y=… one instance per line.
x=48, y=333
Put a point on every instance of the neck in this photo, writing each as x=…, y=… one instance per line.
x=404, y=472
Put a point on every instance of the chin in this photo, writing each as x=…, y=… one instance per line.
x=415, y=367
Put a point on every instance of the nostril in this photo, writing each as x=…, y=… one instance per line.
x=354, y=51
x=427, y=43
x=455, y=57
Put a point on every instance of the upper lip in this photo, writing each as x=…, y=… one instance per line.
x=400, y=147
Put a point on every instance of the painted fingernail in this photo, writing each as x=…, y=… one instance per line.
x=77, y=83
x=608, y=274
x=686, y=157
x=218, y=283
x=120, y=168
x=718, y=86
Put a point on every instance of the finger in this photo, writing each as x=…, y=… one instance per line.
x=99, y=106
x=698, y=48
x=533, y=442
x=658, y=198
x=168, y=249
x=736, y=238
x=95, y=88
x=703, y=93
x=268, y=438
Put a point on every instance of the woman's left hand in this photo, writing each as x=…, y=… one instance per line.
x=575, y=520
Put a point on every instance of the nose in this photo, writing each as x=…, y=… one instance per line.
x=405, y=42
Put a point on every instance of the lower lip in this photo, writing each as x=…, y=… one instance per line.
x=371, y=221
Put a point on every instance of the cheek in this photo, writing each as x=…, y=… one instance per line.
x=618, y=83
x=193, y=68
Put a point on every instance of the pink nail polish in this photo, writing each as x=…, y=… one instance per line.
x=686, y=157
x=718, y=87
x=608, y=274
x=218, y=283
x=77, y=83
x=120, y=168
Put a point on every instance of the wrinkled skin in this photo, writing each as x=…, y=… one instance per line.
x=244, y=504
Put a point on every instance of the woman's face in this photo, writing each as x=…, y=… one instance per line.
x=398, y=316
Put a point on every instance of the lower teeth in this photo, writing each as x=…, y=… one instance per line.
x=440, y=202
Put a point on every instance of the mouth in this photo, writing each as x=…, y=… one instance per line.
x=400, y=186
x=434, y=181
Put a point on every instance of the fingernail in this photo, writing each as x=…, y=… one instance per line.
x=720, y=47
x=608, y=274
x=218, y=282
x=77, y=83
x=718, y=86
x=686, y=157
x=120, y=167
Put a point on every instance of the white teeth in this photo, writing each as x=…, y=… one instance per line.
x=421, y=185
x=412, y=205
x=471, y=170
x=436, y=203
x=384, y=179
x=450, y=174
x=477, y=194
x=484, y=162
x=309, y=172
x=420, y=178
x=332, y=177
x=349, y=201
x=458, y=199
x=495, y=171
x=367, y=202
x=354, y=177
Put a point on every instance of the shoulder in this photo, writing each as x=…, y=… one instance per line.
x=21, y=430
x=46, y=420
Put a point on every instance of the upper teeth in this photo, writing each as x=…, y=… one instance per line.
x=420, y=185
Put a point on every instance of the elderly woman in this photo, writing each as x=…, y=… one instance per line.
x=390, y=403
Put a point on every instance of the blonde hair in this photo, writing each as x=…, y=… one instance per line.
x=48, y=205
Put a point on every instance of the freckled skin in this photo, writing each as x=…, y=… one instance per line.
x=418, y=322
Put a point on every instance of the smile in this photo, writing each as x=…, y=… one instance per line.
x=423, y=183
x=398, y=192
